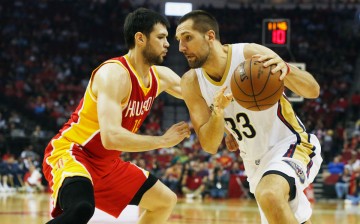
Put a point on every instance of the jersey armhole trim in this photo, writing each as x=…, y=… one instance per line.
x=124, y=102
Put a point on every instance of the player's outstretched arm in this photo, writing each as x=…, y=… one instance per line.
x=169, y=81
x=299, y=81
x=112, y=87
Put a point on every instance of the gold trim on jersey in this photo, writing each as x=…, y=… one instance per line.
x=141, y=83
x=228, y=63
x=92, y=95
x=303, y=148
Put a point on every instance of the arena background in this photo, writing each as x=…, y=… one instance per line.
x=48, y=49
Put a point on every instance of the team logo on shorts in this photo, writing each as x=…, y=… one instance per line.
x=298, y=170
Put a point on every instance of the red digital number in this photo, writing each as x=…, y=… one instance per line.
x=278, y=36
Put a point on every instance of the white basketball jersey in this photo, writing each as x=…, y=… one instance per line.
x=257, y=132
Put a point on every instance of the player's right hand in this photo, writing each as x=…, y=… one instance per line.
x=176, y=133
x=276, y=60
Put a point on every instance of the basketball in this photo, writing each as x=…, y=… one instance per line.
x=255, y=87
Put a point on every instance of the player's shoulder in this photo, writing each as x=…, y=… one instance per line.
x=110, y=75
x=112, y=66
x=253, y=48
x=113, y=71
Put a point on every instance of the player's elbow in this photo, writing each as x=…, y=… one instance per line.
x=212, y=152
x=210, y=149
x=313, y=92
x=107, y=140
x=209, y=144
x=316, y=91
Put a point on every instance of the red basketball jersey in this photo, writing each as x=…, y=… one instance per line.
x=83, y=126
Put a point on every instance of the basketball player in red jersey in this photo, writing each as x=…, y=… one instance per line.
x=281, y=159
x=82, y=162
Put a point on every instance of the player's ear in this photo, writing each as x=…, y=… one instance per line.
x=139, y=38
x=210, y=35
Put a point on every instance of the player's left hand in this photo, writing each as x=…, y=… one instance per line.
x=274, y=60
x=222, y=99
x=231, y=143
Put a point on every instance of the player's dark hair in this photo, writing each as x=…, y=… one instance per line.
x=141, y=20
x=203, y=22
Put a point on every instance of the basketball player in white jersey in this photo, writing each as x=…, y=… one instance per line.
x=281, y=159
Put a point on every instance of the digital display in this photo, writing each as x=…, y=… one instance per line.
x=276, y=32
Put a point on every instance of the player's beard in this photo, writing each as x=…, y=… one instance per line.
x=199, y=61
x=150, y=57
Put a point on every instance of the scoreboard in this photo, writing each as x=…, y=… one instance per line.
x=276, y=33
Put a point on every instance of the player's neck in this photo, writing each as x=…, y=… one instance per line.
x=215, y=65
x=138, y=63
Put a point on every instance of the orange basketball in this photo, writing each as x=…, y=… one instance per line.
x=254, y=86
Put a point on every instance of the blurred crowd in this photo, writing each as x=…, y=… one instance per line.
x=21, y=173
x=49, y=49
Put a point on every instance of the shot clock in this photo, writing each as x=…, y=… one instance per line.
x=276, y=32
